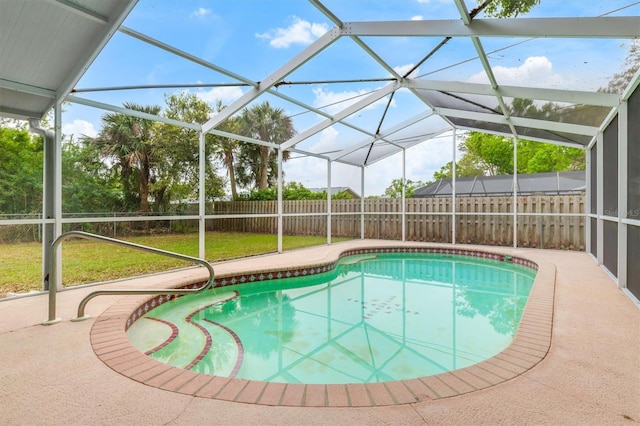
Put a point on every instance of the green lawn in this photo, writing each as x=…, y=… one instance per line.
x=85, y=261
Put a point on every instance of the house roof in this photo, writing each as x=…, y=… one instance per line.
x=539, y=183
x=336, y=190
x=47, y=46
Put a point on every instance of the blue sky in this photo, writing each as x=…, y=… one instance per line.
x=254, y=38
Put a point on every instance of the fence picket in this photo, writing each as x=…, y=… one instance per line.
x=427, y=219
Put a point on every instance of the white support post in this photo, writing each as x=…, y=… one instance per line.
x=404, y=194
x=623, y=165
x=453, y=190
x=280, y=249
x=201, y=194
x=362, y=202
x=48, y=197
x=600, y=195
x=52, y=201
x=587, y=209
x=58, y=175
x=515, y=192
x=328, y=202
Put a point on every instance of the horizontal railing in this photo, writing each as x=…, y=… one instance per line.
x=53, y=285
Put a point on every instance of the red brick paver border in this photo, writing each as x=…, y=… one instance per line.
x=529, y=346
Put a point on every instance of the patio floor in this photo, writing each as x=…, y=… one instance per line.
x=590, y=376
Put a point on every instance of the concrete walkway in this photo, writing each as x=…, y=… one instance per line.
x=50, y=375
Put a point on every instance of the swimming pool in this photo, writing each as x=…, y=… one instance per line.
x=373, y=316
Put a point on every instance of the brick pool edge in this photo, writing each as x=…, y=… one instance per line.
x=530, y=346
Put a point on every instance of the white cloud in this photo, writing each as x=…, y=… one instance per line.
x=417, y=18
x=341, y=100
x=403, y=69
x=536, y=71
x=78, y=128
x=299, y=32
x=200, y=12
x=224, y=94
x=328, y=140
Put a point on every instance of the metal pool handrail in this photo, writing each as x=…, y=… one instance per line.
x=53, y=285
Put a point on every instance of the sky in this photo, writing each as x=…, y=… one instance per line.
x=254, y=38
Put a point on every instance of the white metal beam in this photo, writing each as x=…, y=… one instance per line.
x=600, y=198
x=243, y=138
x=209, y=65
x=202, y=161
x=555, y=95
x=300, y=59
x=492, y=79
x=178, y=52
x=88, y=56
x=351, y=109
x=529, y=138
x=625, y=27
x=131, y=112
x=463, y=11
x=519, y=121
x=415, y=119
x=80, y=10
x=338, y=22
x=26, y=88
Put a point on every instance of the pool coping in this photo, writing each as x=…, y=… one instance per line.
x=528, y=348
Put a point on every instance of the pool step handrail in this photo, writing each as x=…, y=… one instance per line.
x=53, y=285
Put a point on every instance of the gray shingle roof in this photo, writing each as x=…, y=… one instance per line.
x=544, y=183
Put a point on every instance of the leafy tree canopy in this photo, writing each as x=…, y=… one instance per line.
x=631, y=65
x=290, y=191
x=492, y=155
x=257, y=164
x=20, y=171
x=507, y=8
x=395, y=189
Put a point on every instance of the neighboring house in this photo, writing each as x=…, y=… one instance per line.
x=337, y=189
x=553, y=183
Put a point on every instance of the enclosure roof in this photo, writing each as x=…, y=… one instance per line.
x=46, y=46
x=389, y=81
x=480, y=186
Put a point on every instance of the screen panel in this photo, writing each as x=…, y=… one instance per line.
x=610, y=169
x=593, y=207
x=633, y=171
x=594, y=236
x=610, y=248
x=633, y=266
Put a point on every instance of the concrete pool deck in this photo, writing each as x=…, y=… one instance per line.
x=591, y=374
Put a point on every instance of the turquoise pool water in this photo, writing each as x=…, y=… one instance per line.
x=374, y=318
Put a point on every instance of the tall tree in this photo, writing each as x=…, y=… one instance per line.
x=128, y=141
x=491, y=155
x=177, y=151
x=395, y=189
x=631, y=65
x=20, y=171
x=88, y=185
x=258, y=163
x=226, y=148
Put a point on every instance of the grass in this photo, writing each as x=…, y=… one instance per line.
x=85, y=261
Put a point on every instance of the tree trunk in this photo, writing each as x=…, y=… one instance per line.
x=228, y=161
x=264, y=167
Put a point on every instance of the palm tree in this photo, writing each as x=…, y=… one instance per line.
x=258, y=163
x=226, y=148
x=128, y=141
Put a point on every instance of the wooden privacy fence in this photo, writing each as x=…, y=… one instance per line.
x=545, y=221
